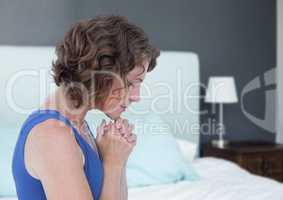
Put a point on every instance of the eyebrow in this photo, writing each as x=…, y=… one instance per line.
x=142, y=66
x=138, y=78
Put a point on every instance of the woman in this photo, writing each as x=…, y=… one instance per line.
x=100, y=64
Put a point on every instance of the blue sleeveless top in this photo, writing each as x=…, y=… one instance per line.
x=28, y=187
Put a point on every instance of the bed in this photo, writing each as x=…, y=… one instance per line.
x=171, y=91
x=221, y=180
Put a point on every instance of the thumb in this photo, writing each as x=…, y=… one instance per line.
x=100, y=130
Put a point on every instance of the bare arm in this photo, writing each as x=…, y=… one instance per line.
x=124, y=186
x=114, y=183
x=56, y=160
x=111, y=188
x=114, y=186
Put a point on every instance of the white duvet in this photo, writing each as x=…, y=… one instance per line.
x=220, y=180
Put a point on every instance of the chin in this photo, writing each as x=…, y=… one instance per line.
x=113, y=116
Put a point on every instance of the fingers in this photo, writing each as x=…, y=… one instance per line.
x=110, y=142
x=119, y=123
x=111, y=128
x=124, y=127
x=129, y=130
x=132, y=138
x=100, y=130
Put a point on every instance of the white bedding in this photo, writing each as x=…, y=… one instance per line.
x=220, y=180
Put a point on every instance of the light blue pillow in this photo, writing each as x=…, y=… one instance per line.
x=8, y=137
x=156, y=159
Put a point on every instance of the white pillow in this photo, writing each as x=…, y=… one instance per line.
x=156, y=158
x=188, y=149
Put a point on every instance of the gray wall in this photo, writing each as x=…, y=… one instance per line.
x=232, y=37
x=35, y=22
x=280, y=70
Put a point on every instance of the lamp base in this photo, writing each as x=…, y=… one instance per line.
x=219, y=143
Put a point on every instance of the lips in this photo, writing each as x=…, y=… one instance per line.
x=123, y=108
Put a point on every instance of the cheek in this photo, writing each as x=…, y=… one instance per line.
x=117, y=97
x=111, y=103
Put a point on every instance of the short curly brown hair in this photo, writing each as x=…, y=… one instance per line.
x=105, y=43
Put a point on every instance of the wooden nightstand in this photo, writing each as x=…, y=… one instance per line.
x=264, y=159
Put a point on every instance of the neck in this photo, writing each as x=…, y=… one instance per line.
x=59, y=102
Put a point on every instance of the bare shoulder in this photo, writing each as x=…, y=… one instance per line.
x=55, y=158
x=50, y=144
x=52, y=132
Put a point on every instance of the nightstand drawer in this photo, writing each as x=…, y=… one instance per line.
x=272, y=164
x=252, y=162
x=265, y=159
x=263, y=164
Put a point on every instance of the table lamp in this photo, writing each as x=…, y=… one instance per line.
x=221, y=90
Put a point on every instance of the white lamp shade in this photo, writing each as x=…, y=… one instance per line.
x=221, y=90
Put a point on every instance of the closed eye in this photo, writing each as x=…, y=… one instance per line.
x=136, y=83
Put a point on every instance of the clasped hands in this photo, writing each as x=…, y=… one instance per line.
x=115, y=140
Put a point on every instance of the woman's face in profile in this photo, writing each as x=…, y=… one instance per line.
x=119, y=98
